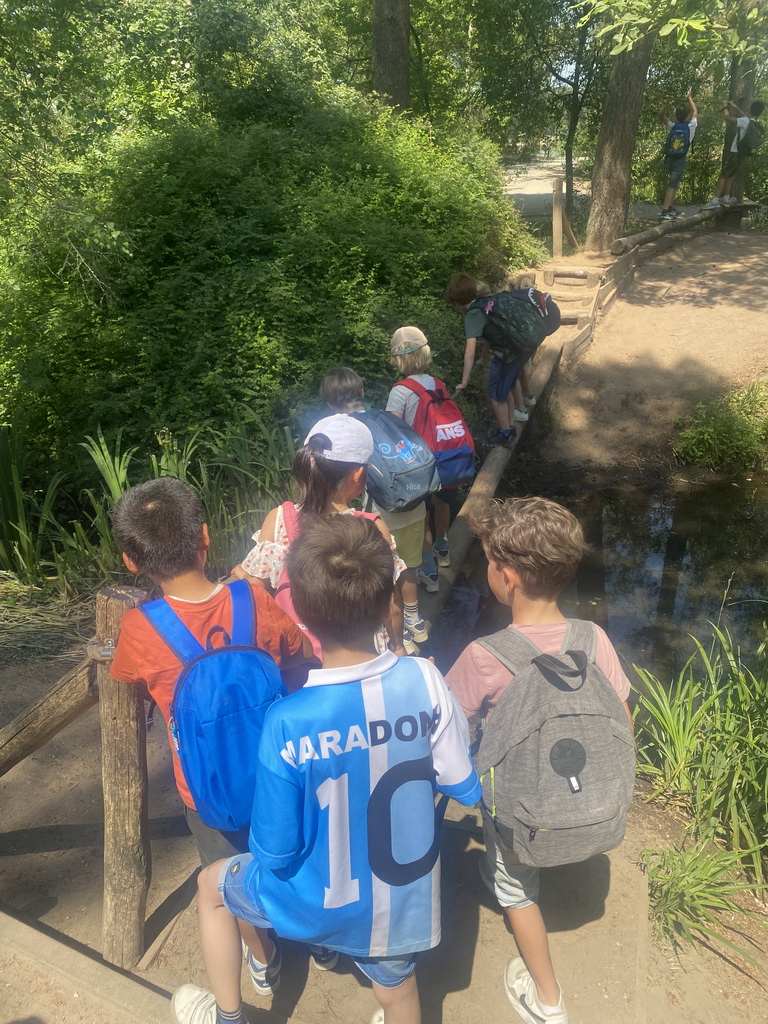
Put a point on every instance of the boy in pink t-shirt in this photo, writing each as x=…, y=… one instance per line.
x=533, y=547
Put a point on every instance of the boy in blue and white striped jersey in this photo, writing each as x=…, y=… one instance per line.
x=344, y=843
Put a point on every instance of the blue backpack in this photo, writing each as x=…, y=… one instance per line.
x=678, y=141
x=402, y=471
x=219, y=702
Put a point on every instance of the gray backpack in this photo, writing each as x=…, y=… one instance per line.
x=557, y=756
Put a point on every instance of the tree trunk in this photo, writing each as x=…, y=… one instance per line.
x=612, y=177
x=391, y=51
x=742, y=92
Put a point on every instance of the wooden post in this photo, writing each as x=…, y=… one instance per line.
x=557, y=217
x=127, y=861
x=74, y=693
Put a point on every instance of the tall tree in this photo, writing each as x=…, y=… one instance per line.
x=391, y=51
x=612, y=178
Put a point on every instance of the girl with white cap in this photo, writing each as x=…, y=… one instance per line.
x=330, y=470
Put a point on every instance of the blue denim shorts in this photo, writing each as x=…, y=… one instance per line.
x=675, y=166
x=502, y=377
x=387, y=971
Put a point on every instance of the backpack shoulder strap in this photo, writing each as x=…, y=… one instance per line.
x=511, y=647
x=580, y=635
x=412, y=385
x=243, y=632
x=171, y=630
x=291, y=520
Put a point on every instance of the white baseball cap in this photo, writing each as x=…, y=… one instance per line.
x=350, y=440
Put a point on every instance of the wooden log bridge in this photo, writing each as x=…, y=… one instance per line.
x=728, y=219
x=127, y=864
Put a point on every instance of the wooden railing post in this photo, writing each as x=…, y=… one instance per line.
x=127, y=859
x=557, y=217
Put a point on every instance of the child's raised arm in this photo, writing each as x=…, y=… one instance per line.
x=692, y=105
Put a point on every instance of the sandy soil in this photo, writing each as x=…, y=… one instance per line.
x=694, y=322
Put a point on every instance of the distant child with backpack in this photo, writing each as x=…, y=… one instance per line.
x=513, y=324
x=345, y=837
x=160, y=527
x=557, y=753
x=423, y=402
x=343, y=391
x=747, y=138
x=680, y=133
x=330, y=469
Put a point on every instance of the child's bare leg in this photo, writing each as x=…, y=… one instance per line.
x=525, y=379
x=220, y=939
x=531, y=937
x=517, y=395
x=401, y=1005
x=442, y=516
x=408, y=586
x=502, y=413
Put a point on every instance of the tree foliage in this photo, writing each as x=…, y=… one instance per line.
x=198, y=215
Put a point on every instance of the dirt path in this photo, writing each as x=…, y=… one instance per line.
x=694, y=321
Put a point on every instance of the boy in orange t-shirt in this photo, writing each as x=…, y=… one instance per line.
x=160, y=526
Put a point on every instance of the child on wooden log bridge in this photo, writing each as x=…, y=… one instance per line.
x=160, y=527
x=533, y=548
x=344, y=835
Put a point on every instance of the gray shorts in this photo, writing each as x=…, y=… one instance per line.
x=512, y=883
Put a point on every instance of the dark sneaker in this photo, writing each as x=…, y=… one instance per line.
x=324, y=959
x=497, y=438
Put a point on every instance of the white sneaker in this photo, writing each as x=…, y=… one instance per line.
x=416, y=630
x=442, y=555
x=430, y=581
x=265, y=978
x=530, y=400
x=193, y=1005
x=521, y=992
x=378, y=1017
x=713, y=204
x=521, y=415
x=726, y=200
x=408, y=644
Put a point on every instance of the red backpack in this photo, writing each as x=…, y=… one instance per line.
x=283, y=591
x=439, y=421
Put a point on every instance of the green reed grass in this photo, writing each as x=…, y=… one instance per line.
x=690, y=889
x=703, y=744
x=240, y=472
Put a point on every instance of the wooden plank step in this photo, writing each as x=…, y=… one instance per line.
x=591, y=277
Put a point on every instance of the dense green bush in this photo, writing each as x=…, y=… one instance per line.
x=730, y=432
x=194, y=268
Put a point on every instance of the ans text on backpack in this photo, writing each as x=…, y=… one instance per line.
x=439, y=421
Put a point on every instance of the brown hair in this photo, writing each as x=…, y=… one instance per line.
x=461, y=290
x=318, y=477
x=341, y=388
x=539, y=539
x=158, y=524
x=341, y=571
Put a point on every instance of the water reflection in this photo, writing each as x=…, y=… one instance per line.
x=661, y=565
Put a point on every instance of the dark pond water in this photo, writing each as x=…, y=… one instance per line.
x=663, y=565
